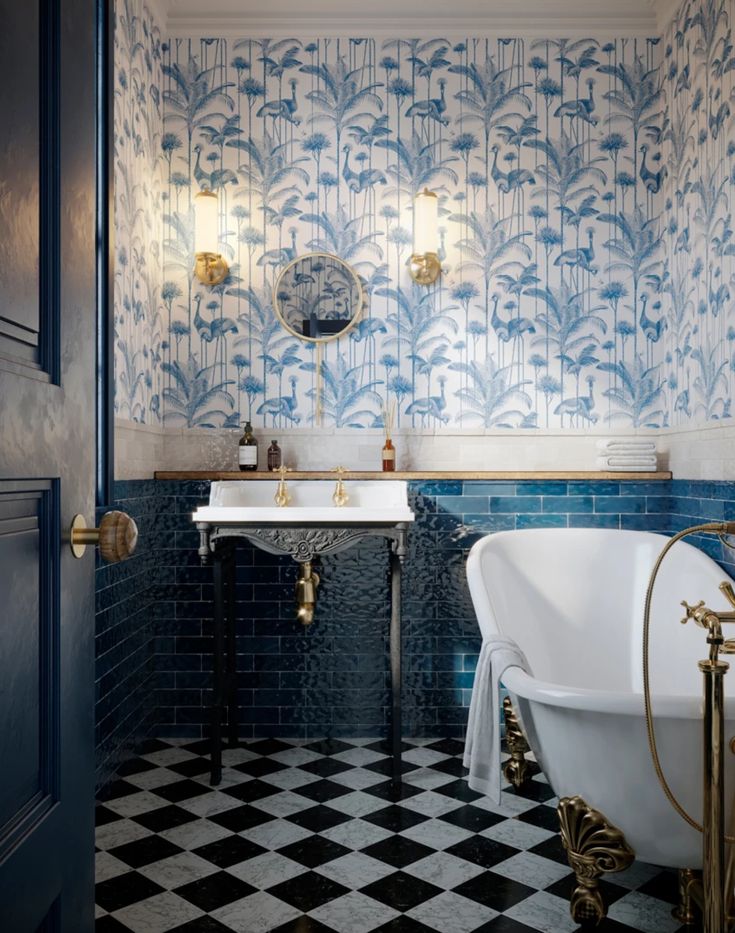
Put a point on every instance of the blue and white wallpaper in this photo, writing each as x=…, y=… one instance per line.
x=698, y=284
x=584, y=227
x=141, y=333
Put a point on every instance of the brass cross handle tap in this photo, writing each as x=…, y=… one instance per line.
x=340, y=497
x=712, y=621
x=699, y=612
x=708, y=618
x=282, y=497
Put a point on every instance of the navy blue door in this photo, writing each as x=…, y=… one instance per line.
x=47, y=433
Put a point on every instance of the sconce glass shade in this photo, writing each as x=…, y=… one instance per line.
x=425, y=222
x=206, y=218
x=425, y=266
x=210, y=267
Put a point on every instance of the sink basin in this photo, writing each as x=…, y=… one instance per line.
x=251, y=502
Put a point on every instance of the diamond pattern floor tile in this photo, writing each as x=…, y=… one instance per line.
x=311, y=837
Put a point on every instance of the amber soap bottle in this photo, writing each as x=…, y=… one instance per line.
x=248, y=451
x=274, y=456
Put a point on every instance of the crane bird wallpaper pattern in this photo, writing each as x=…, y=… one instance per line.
x=585, y=227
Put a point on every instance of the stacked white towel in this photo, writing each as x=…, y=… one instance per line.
x=626, y=455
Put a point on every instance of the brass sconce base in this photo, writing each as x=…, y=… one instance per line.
x=515, y=770
x=594, y=847
x=306, y=587
x=425, y=269
x=210, y=268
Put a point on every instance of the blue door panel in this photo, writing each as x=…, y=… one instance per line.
x=48, y=261
x=28, y=659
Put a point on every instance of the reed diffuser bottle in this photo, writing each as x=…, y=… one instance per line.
x=389, y=451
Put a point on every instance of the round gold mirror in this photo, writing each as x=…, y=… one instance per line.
x=318, y=297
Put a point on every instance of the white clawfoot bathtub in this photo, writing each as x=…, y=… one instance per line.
x=573, y=599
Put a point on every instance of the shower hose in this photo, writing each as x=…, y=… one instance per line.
x=721, y=529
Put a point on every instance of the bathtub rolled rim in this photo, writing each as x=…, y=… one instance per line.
x=671, y=706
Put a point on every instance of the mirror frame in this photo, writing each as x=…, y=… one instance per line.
x=353, y=321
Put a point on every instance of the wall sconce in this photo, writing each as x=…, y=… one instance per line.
x=210, y=268
x=425, y=266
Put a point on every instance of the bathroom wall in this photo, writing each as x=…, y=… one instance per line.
x=333, y=679
x=533, y=146
x=141, y=333
x=126, y=610
x=671, y=252
x=125, y=593
x=698, y=284
x=662, y=231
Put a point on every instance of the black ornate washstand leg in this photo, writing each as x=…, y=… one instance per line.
x=224, y=658
x=219, y=545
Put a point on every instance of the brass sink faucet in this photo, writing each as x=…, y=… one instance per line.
x=340, y=497
x=282, y=497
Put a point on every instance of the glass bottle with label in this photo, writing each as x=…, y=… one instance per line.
x=274, y=456
x=248, y=450
x=389, y=456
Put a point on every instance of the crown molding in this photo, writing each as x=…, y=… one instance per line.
x=409, y=18
x=159, y=10
x=665, y=11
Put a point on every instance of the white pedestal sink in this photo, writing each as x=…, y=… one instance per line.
x=252, y=502
x=310, y=526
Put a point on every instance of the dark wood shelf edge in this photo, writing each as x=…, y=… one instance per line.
x=559, y=475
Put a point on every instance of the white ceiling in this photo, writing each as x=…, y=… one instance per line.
x=450, y=18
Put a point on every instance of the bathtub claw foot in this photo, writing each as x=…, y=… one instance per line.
x=515, y=770
x=587, y=906
x=594, y=847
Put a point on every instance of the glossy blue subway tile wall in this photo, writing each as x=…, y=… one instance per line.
x=154, y=611
x=124, y=633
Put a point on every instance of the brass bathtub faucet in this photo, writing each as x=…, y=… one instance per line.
x=712, y=621
x=713, y=891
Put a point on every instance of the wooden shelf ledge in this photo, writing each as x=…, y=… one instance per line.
x=559, y=475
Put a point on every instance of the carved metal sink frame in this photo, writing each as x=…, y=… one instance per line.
x=217, y=542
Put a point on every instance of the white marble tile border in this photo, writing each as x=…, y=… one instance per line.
x=696, y=452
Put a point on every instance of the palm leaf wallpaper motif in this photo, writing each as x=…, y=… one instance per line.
x=144, y=318
x=698, y=170
x=584, y=221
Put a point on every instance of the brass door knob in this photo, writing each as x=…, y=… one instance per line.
x=116, y=537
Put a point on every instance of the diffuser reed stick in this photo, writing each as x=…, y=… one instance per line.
x=389, y=452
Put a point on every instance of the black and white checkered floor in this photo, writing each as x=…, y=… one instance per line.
x=302, y=837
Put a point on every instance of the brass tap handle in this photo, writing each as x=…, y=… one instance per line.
x=728, y=592
x=705, y=617
x=282, y=497
x=693, y=612
x=116, y=537
x=340, y=497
